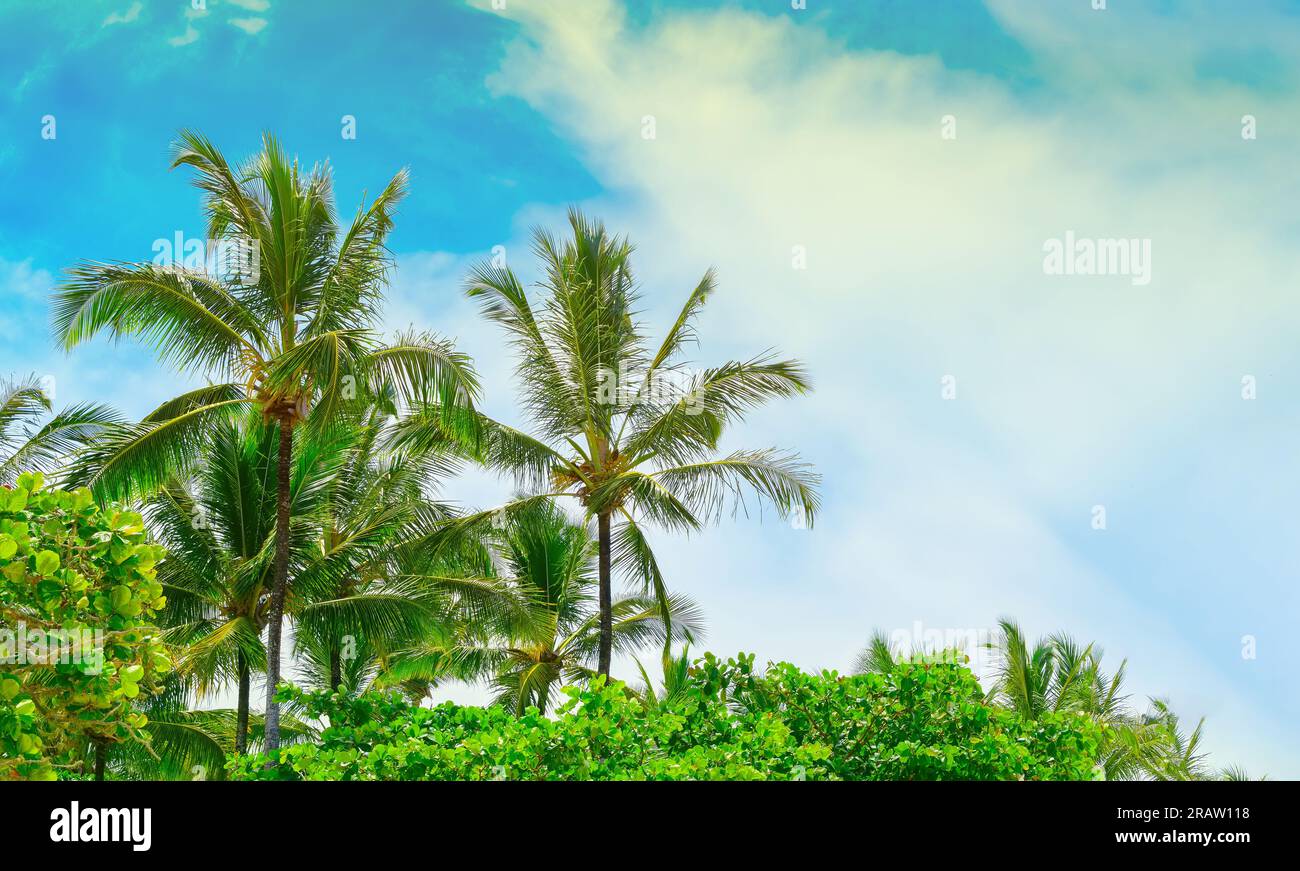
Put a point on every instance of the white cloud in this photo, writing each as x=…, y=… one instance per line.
x=190, y=35
x=924, y=259
x=127, y=17
x=251, y=26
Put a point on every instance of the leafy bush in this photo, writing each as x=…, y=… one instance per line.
x=920, y=721
x=77, y=592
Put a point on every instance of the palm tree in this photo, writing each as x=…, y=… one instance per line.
x=616, y=432
x=1163, y=751
x=365, y=590
x=351, y=504
x=219, y=531
x=878, y=657
x=27, y=445
x=290, y=331
x=674, y=683
x=553, y=639
x=1059, y=674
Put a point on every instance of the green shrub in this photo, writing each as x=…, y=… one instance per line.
x=77, y=592
x=919, y=722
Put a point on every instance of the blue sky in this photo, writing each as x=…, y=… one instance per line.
x=818, y=129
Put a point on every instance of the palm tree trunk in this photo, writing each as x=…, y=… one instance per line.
x=241, y=724
x=101, y=757
x=336, y=667
x=275, y=615
x=606, y=599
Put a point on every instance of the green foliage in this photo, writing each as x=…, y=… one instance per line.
x=543, y=565
x=918, y=722
x=78, y=590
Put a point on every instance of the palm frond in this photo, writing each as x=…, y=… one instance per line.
x=188, y=318
x=707, y=487
x=136, y=460
x=67, y=432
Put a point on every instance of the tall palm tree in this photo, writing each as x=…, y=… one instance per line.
x=351, y=505
x=26, y=444
x=623, y=429
x=291, y=330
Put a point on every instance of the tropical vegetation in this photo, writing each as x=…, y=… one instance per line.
x=282, y=526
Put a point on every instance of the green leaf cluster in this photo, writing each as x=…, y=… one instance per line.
x=78, y=592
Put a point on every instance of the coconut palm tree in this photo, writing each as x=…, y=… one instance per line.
x=26, y=444
x=548, y=561
x=351, y=505
x=219, y=530
x=1163, y=750
x=368, y=588
x=290, y=329
x=623, y=428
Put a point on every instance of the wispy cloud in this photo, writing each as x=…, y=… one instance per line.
x=251, y=26
x=191, y=34
x=130, y=15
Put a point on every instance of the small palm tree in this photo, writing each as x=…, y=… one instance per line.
x=1049, y=675
x=624, y=429
x=1164, y=751
x=184, y=743
x=548, y=562
x=365, y=590
x=878, y=657
x=26, y=444
x=1059, y=674
x=290, y=331
x=674, y=683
